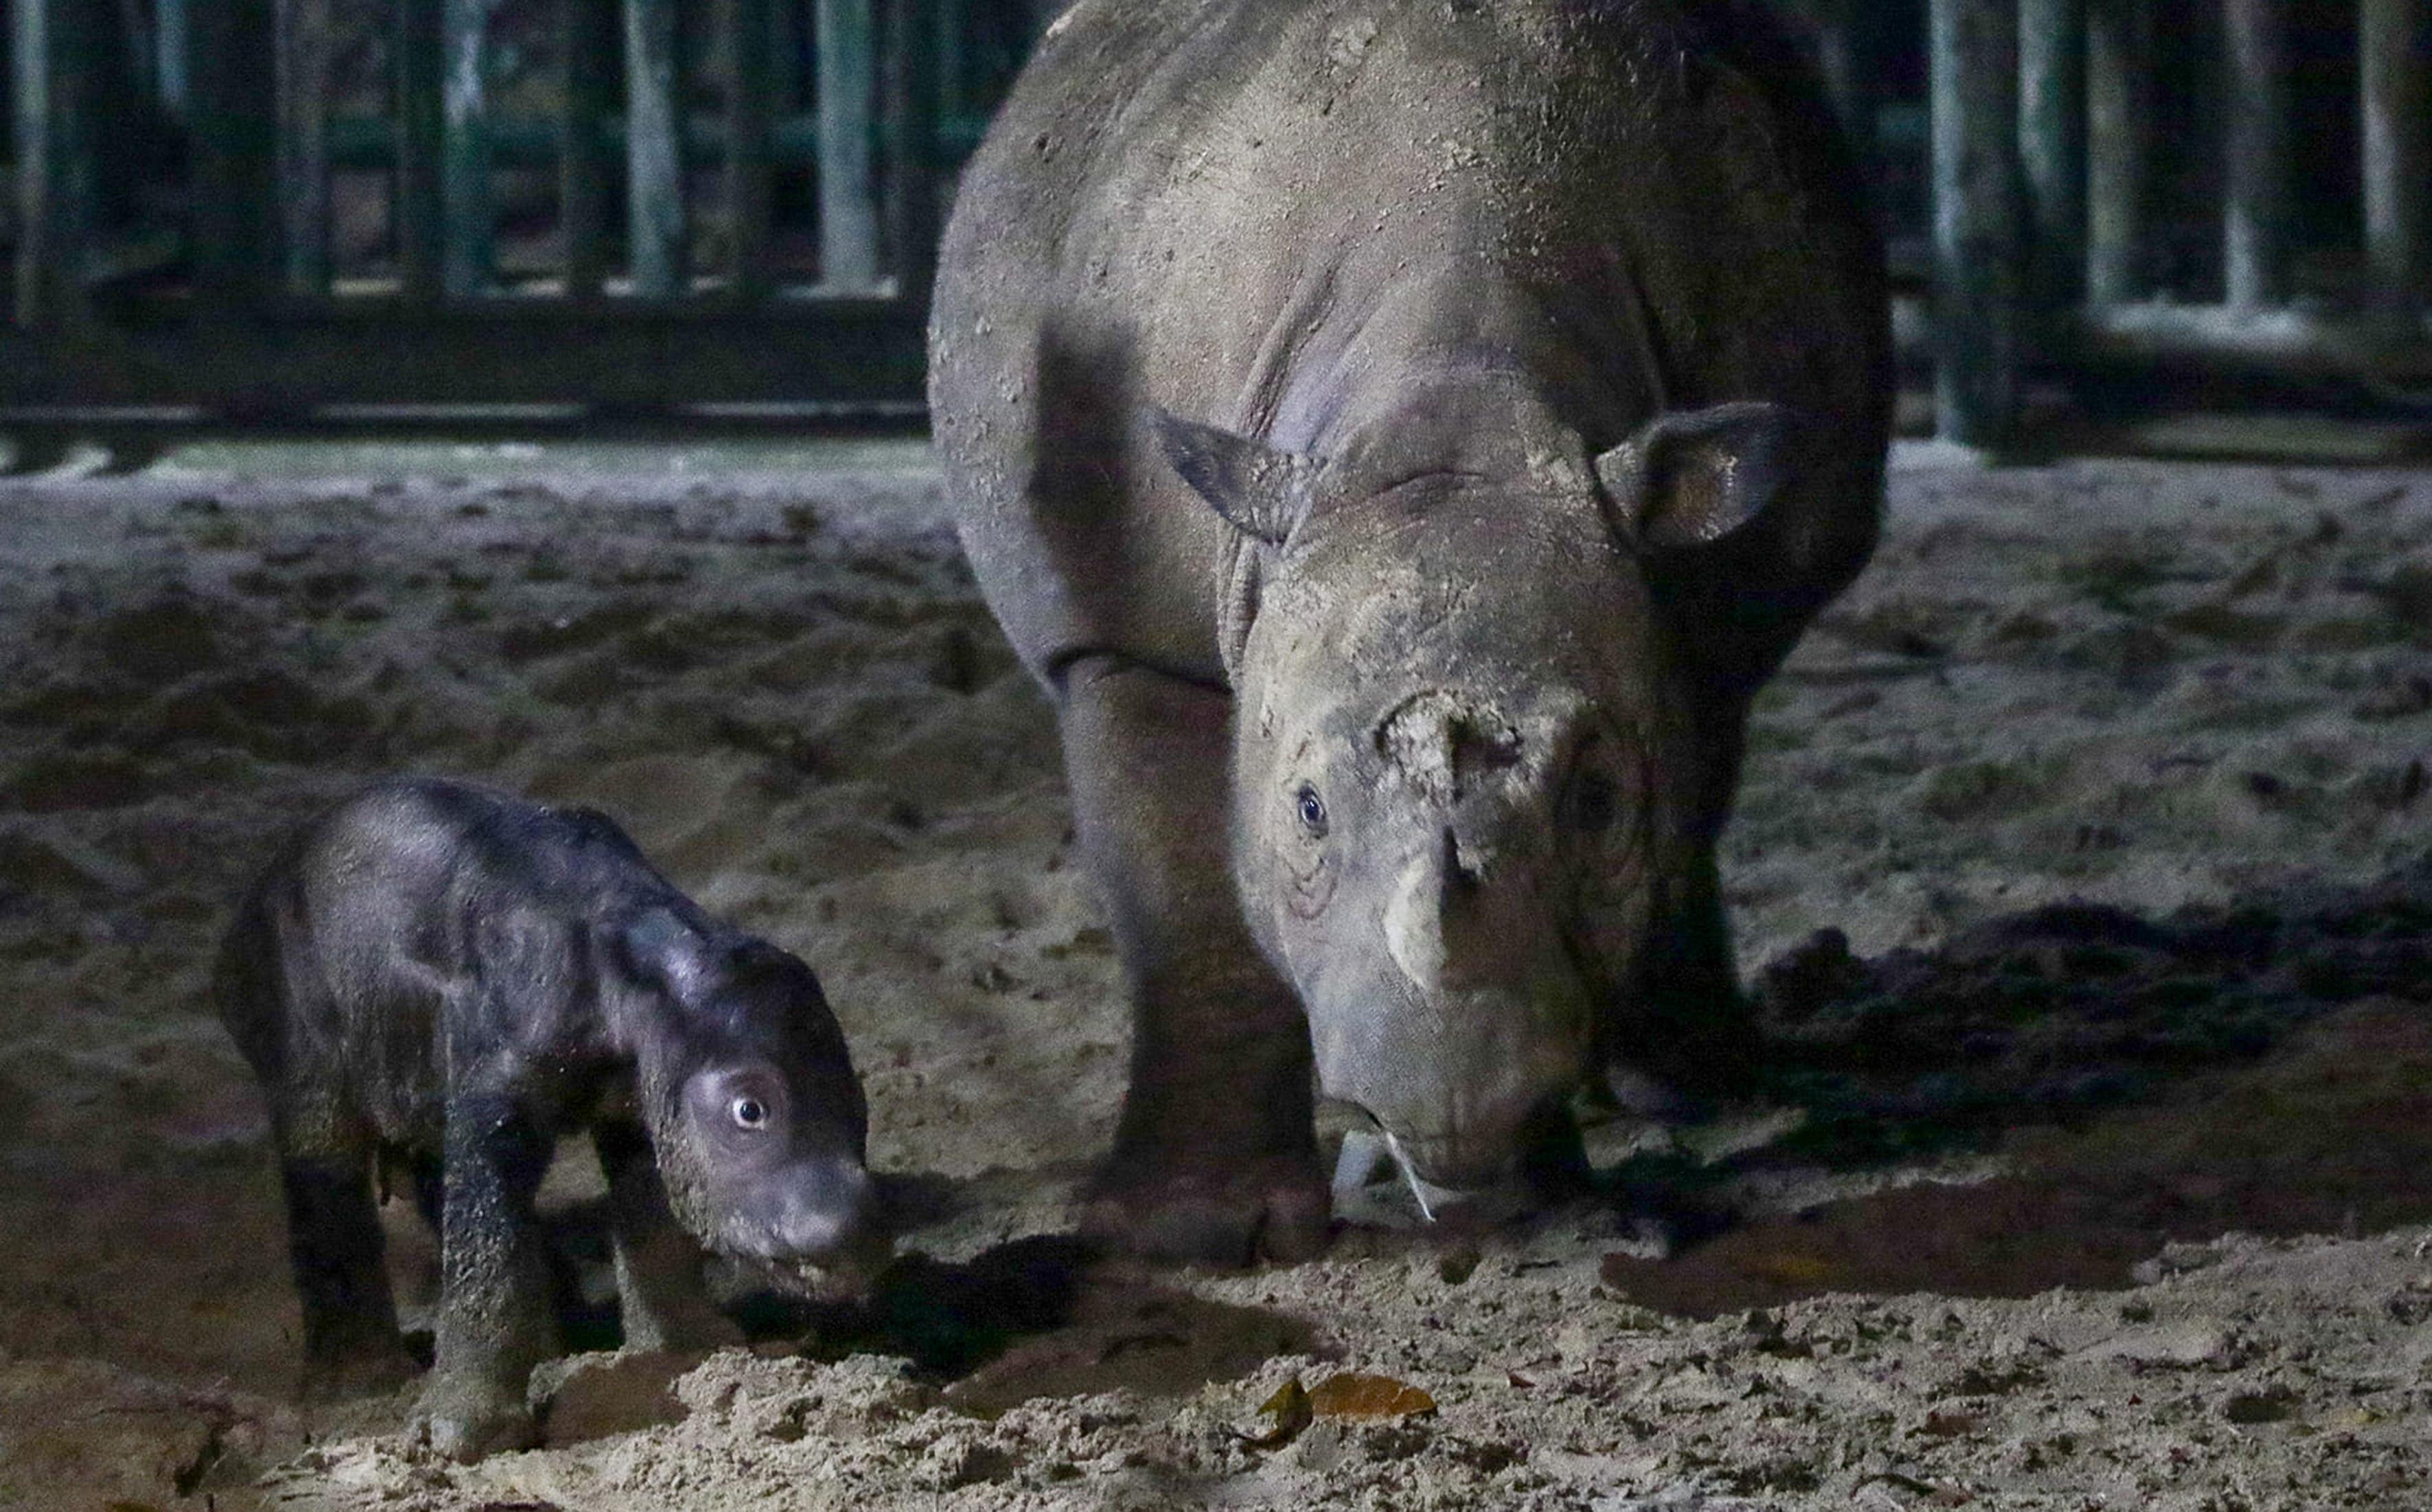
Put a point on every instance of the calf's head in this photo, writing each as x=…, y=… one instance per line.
x=1466, y=762
x=756, y=1119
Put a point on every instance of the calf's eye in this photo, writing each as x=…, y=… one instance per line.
x=749, y=1113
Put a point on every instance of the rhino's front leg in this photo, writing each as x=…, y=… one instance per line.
x=1696, y=1030
x=1214, y=1158
x=494, y=1316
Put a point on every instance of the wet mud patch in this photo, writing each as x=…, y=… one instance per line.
x=2260, y=1068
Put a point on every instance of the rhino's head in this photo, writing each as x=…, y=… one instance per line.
x=1465, y=770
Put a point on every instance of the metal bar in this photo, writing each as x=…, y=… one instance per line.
x=236, y=166
x=747, y=115
x=586, y=46
x=2118, y=148
x=656, y=232
x=305, y=47
x=464, y=150
x=1974, y=67
x=2051, y=141
x=847, y=201
x=420, y=51
x=2395, y=102
x=909, y=109
x=2254, y=221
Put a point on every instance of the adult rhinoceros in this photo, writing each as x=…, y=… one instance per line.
x=1401, y=435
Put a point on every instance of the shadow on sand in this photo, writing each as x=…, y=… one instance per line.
x=2264, y=1067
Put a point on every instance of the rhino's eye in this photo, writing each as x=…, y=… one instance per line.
x=1594, y=802
x=1312, y=809
x=749, y=1112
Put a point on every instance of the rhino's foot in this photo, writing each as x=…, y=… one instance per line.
x=1203, y=1213
x=466, y=1419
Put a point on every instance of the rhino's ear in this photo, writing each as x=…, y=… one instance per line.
x=1263, y=492
x=1691, y=478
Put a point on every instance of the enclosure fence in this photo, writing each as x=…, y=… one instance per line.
x=268, y=207
x=587, y=202
x=2045, y=131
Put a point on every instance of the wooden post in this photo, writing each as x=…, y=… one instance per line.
x=953, y=66
x=789, y=29
x=305, y=47
x=420, y=56
x=2051, y=141
x=1846, y=52
x=173, y=43
x=657, y=235
x=848, y=79
x=588, y=47
x=2118, y=148
x=2395, y=79
x=142, y=56
x=464, y=150
x=55, y=186
x=2255, y=224
x=910, y=112
x=748, y=173
x=1974, y=64
x=236, y=137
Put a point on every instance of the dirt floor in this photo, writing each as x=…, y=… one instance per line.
x=2092, y=1166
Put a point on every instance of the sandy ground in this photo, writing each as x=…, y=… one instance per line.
x=2118, y=1228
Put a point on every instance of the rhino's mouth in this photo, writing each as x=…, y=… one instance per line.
x=1486, y=1199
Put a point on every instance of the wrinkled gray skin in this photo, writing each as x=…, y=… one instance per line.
x=446, y=979
x=1401, y=435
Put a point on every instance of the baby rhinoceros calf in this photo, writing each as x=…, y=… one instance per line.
x=450, y=978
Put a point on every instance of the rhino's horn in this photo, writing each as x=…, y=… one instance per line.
x=1691, y=478
x=1262, y=491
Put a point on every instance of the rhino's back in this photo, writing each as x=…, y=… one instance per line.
x=1195, y=203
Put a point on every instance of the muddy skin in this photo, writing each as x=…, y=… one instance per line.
x=1402, y=438
x=445, y=978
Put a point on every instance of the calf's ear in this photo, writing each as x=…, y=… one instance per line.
x=1263, y=492
x=657, y=946
x=1689, y=478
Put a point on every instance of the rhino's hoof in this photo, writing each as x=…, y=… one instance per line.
x=1275, y=1209
x=458, y=1427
